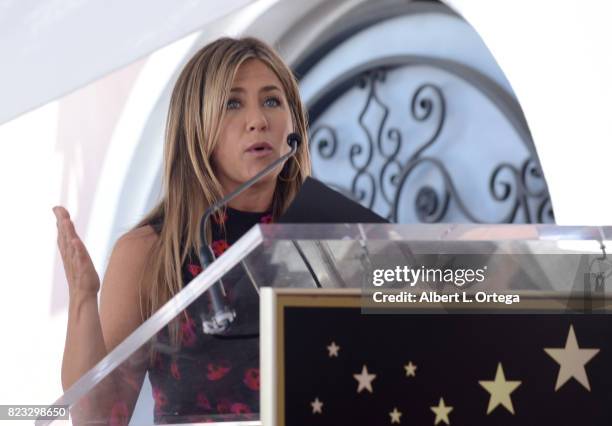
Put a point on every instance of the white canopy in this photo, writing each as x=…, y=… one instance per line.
x=49, y=48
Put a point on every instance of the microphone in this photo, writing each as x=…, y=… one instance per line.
x=222, y=316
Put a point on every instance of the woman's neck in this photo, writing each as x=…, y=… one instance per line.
x=257, y=198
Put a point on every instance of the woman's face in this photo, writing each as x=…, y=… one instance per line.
x=255, y=127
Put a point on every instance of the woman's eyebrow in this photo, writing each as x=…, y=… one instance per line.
x=268, y=88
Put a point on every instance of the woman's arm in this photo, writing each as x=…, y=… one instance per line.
x=91, y=334
x=120, y=296
x=84, y=345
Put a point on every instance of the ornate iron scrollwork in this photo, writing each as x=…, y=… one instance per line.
x=379, y=173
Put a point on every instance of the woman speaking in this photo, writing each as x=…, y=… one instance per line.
x=232, y=109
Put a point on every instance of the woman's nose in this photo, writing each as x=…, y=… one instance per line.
x=257, y=120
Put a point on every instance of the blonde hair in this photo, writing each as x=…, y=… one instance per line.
x=189, y=185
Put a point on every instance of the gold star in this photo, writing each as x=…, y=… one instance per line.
x=365, y=380
x=571, y=361
x=500, y=390
x=395, y=415
x=441, y=412
x=333, y=349
x=317, y=406
x=410, y=369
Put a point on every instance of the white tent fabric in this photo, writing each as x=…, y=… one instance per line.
x=49, y=48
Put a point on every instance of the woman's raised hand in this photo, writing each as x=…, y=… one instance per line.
x=80, y=272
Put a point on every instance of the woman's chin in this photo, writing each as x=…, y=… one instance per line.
x=268, y=179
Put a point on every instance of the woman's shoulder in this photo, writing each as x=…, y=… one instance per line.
x=127, y=261
x=138, y=239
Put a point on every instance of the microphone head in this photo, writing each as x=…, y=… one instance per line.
x=294, y=138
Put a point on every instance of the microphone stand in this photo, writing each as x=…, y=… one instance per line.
x=223, y=315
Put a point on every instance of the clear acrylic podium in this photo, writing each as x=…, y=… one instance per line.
x=555, y=270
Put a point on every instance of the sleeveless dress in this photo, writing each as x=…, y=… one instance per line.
x=211, y=378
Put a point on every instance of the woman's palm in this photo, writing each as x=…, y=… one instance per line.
x=80, y=272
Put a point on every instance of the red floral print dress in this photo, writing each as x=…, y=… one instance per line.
x=212, y=378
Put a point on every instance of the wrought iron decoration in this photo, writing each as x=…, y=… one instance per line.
x=521, y=186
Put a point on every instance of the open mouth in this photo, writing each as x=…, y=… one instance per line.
x=260, y=148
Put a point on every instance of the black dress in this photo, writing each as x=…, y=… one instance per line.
x=211, y=378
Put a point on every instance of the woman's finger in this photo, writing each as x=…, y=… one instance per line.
x=61, y=243
x=85, y=273
x=62, y=235
x=62, y=218
x=71, y=231
x=81, y=258
x=60, y=239
x=68, y=248
x=68, y=234
x=75, y=257
x=58, y=225
x=71, y=235
x=79, y=255
x=61, y=212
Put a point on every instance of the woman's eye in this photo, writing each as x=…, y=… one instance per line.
x=272, y=102
x=233, y=104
